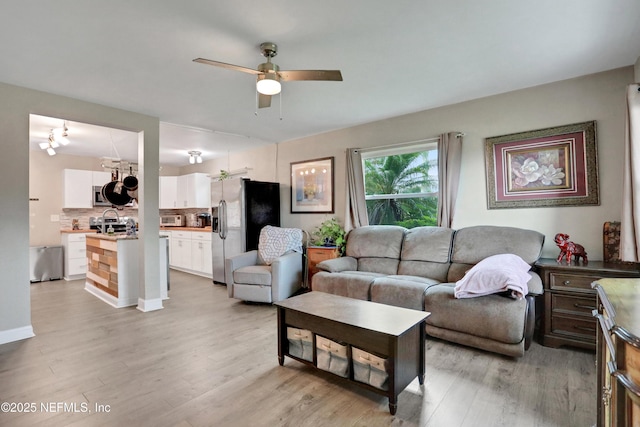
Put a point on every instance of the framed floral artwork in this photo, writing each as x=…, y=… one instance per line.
x=312, y=186
x=548, y=167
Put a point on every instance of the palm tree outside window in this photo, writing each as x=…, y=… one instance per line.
x=401, y=184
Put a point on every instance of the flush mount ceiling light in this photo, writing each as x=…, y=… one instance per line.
x=195, y=157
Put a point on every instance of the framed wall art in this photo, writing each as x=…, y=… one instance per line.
x=542, y=168
x=312, y=186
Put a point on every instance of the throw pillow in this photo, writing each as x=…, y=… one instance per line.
x=275, y=242
x=497, y=273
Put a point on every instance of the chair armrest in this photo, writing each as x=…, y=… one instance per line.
x=535, y=284
x=286, y=276
x=345, y=263
x=235, y=262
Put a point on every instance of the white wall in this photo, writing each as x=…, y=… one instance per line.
x=599, y=97
x=16, y=104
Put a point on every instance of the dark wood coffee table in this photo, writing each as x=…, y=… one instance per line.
x=394, y=333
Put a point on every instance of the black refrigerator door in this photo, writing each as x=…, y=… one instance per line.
x=262, y=204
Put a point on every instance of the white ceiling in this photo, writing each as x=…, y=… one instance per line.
x=396, y=57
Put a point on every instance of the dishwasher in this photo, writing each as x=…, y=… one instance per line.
x=45, y=263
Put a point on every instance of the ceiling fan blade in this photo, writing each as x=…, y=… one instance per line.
x=330, y=75
x=264, y=101
x=225, y=65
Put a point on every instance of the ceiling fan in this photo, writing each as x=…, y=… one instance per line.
x=270, y=75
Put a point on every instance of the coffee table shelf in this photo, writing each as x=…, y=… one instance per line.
x=392, y=333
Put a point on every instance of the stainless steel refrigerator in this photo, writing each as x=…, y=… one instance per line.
x=240, y=209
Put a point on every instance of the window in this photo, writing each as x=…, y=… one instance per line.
x=401, y=184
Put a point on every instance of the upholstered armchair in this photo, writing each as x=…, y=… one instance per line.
x=271, y=273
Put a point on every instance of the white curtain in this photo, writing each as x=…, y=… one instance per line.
x=356, y=207
x=449, y=160
x=630, y=222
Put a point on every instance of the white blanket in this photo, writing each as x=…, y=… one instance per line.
x=497, y=273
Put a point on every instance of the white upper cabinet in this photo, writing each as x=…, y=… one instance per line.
x=185, y=191
x=77, y=188
x=100, y=178
x=168, y=192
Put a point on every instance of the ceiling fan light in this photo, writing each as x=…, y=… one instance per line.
x=268, y=85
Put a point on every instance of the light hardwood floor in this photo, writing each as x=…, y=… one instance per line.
x=207, y=360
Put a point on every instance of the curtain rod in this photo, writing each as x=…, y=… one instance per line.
x=401, y=144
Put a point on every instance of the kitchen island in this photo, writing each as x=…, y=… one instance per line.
x=113, y=271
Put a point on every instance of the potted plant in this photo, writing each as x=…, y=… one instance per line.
x=330, y=233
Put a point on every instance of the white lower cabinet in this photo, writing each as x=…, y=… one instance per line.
x=191, y=252
x=201, y=258
x=75, y=255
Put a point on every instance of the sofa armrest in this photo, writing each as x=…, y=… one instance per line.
x=233, y=263
x=336, y=265
x=535, y=284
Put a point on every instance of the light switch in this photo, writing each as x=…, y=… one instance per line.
x=55, y=218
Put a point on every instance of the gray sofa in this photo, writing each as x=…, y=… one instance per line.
x=418, y=268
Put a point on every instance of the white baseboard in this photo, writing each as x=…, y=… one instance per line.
x=145, y=305
x=16, y=334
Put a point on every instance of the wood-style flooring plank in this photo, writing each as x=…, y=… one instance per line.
x=207, y=360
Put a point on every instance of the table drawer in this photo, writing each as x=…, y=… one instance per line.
x=572, y=282
x=574, y=326
x=583, y=305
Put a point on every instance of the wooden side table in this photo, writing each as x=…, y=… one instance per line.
x=569, y=299
x=317, y=254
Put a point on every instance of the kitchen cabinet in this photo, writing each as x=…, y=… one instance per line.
x=180, y=250
x=191, y=252
x=77, y=188
x=201, y=256
x=194, y=191
x=168, y=192
x=185, y=191
x=100, y=178
x=75, y=255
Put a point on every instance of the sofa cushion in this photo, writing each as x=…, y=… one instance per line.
x=427, y=244
x=253, y=275
x=401, y=291
x=493, y=316
x=426, y=252
x=377, y=248
x=473, y=244
x=352, y=284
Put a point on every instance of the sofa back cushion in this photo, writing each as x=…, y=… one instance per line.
x=473, y=244
x=376, y=247
x=426, y=252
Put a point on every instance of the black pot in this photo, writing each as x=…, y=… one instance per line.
x=115, y=193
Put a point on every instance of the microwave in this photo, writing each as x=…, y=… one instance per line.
x=98, y=198
x=172, y=220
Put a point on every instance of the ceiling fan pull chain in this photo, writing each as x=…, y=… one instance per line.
x=280, y=98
